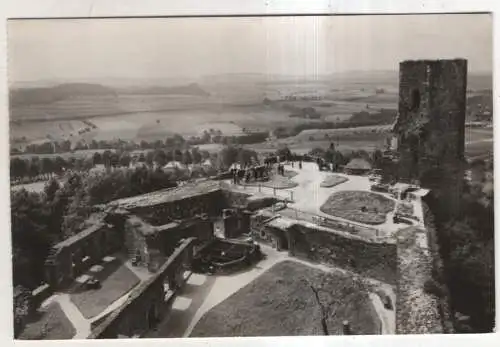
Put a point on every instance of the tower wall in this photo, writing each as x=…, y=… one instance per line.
x=430, y=128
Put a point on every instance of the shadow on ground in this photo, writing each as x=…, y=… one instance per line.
x=185, y=305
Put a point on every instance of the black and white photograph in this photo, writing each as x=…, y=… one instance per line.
x=251, y=176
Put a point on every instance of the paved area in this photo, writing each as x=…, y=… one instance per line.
x=309, y=196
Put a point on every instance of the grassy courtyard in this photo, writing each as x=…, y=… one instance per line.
x=116, y=280
x=359, y=206
x=281, y=303
x=50, y=324
x=332, y=181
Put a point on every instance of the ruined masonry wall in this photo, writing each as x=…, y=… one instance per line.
x=370, y=259
x=147, y=304
x=416, y=310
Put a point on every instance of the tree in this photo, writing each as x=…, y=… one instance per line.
x=178, y=140
x=187, y=158
x=30, y=238
x=59, y=165
x=18, y=168
x=78, y=211
x=377, y=158
x=88, y=164
x=170, y=142
x=284, y=153
x=34, y=167
x=176, y=155
x=79, y=164
x=160, y=158
x=125, y=159
x=227, y=156
x=205, y=137
x=348, y=292
x=50, y=190
x=97, y=158
x=205, y=155
x=106, y=158
x=196, y=155
x=317, y=152
x=114, y=160
x=150, y=158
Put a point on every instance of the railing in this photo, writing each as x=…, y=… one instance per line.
x=329, y=222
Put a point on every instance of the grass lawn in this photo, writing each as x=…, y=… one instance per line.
x=405, y=208
x=116, y=281
x=332, y=181
x=358, y=206
x=280, y=303
x=51, y=324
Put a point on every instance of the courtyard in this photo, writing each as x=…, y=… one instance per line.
x=116, y=280
x=344, y=198
x=281, y=303
x=278, y=277
x=73, y=313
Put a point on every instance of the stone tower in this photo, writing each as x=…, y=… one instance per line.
x=430, y=127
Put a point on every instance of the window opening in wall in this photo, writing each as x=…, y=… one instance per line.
x=415, y=100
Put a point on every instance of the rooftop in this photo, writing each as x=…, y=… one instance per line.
x=358, y=163
x=81, y=235
x=167, y=195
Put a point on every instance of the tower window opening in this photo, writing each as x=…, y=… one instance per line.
x=415, y=100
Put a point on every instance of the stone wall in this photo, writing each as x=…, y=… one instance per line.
x=417, y=310
x=438, y=271
x=206, y=203
x=371, y=259
x=234, y=198
x=305, y=240
x=422, y=296
x=150, y=302
x=149, y=246
x=75, y=255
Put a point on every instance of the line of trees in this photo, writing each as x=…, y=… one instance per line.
x=332, y=156
x=35, y=168
x=40, y=220
x=171, y=142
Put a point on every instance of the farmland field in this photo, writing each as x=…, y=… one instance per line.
x=231, y=106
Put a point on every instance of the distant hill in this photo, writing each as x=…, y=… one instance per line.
x=47, y=95
x=190, y=89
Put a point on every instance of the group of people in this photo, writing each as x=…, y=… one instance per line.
x=259, y=172
x=256, y=173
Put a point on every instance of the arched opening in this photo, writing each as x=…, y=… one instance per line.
x=415, y=100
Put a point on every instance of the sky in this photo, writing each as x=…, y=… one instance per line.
x=144, y=48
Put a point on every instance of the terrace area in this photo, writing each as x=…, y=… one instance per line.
x=72, y=313
x=336, y=201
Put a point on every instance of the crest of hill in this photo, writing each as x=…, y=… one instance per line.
x=193, y=89
x=48, y=95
